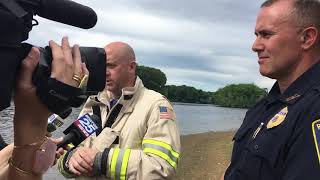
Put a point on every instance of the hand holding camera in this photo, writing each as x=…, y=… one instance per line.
x=31, y=111
x=65, y=64
x=16, y=21
x=44, y=80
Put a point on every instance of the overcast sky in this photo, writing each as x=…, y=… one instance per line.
x=201, y=43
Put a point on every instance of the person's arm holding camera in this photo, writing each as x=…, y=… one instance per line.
x=30, y=118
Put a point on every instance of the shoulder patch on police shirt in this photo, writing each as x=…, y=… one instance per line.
x=278, y=118
x=316, y=136
x=165, y=112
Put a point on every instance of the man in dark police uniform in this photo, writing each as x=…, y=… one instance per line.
x=280, y=136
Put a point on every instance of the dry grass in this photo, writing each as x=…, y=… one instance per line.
x=204, y=156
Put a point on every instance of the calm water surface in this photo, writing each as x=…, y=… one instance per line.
x=195, y=118
x=192, y=119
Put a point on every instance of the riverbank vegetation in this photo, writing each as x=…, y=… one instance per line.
x=234, y=95
x=239, y=95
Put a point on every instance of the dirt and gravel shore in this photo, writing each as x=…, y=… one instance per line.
x=205, y=156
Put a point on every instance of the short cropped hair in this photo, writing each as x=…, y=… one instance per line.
x=306, y=13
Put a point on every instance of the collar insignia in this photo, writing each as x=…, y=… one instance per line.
x=293, y=97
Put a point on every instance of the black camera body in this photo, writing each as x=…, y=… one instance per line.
x=16, y=21
x=60, y=97
x=93, y=57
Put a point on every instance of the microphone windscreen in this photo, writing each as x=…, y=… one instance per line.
x=68, y=12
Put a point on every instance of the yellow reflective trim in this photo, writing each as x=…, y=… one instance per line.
x=162, y=149
x=60, y=164
x=124, y=164
x=69, y=146
x=315, y=138
x=114, y=162
x=162, y=155
x=61, y=161
x=162, y=144
x=61, y=169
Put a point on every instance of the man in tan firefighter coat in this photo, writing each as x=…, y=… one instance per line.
x=139, y=139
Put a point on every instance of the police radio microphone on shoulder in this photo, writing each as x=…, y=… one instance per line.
x=79, y=130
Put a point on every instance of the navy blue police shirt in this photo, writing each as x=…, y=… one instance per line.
x=279, y=138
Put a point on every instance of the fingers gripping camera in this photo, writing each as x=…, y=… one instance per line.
x=60, y=97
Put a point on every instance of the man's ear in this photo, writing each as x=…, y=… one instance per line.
x=133, y=66
x=309, y=37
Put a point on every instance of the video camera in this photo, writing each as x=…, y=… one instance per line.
x=16, y=21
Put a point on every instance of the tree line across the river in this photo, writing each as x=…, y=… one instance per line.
x=234, y=95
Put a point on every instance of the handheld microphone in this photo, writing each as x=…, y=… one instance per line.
x=67, y=12
x=79, y=130
x=54, y=121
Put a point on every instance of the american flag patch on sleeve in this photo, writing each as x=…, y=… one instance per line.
x=165, y=113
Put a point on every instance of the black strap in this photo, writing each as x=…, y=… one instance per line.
x=113, y=116
x=96, y=111
x=56, y=95
x=127, y=97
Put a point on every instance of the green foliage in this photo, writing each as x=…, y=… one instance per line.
x=187, y=94
x=240, y=95
x=152, y=78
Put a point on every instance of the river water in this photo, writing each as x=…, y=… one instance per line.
x=192, y=118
